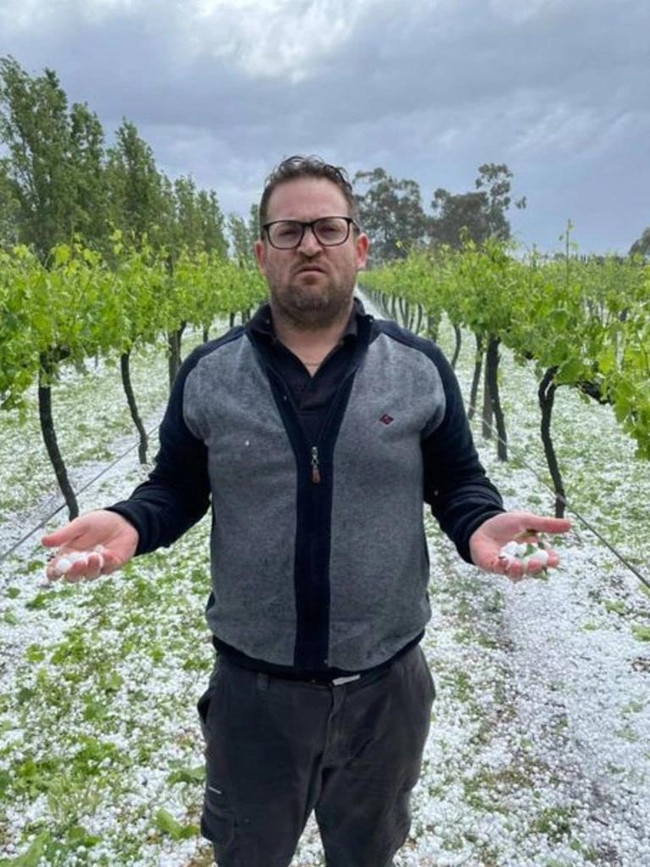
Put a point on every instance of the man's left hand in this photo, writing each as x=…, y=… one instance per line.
x=487, y=542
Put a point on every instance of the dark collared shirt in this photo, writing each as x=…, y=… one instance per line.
x=311, y=395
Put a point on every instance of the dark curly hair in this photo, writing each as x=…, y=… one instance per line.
x=307, y=167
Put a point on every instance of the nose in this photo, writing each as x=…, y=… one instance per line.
x=309, y=243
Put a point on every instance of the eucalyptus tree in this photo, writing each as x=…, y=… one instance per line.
x=460, y=218
x=478, y=214
x=391, y=212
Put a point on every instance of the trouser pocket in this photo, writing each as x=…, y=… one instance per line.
x=203, y=704
x=218, y=819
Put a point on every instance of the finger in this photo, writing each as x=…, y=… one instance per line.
x=81, y=533
x=72, y=566
x=529, y=536
x=542, y=524
x=58, y=538
x=517, y=569
x=71, y=538
x=514, y=571
x=87, y=568
x=535, y=567
x=510, y=567
x=59, y=564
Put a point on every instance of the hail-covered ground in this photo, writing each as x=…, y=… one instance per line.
x=537, y=755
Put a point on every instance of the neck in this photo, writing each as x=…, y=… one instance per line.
x=311, y=343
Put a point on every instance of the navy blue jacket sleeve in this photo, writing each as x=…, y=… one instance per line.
x=455, y=483
x=177, y=493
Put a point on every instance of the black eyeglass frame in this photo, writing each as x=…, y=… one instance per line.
x=310, y=224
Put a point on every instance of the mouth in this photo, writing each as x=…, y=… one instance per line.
x=310, y=269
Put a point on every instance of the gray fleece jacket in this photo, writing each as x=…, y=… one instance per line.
x=318, y=552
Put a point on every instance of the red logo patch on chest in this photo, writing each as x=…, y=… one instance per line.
x=386, y=419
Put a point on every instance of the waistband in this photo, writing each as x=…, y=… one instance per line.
x=325, y=678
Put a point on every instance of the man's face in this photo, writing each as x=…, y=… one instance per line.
x=311, y=285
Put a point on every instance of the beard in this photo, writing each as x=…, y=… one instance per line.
x=310, y=303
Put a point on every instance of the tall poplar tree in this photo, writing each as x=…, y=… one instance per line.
x=54, y=167
x=243, y=234
x=139, y=196
x=52, y=178
x=198, y=223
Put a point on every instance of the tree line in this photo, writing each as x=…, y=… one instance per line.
x=392, y=212
x=60, y=181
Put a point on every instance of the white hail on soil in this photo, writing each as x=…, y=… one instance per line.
x=537, y=754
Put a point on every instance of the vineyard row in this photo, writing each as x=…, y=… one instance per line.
x=584, y=323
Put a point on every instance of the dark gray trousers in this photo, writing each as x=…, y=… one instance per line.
x=277, y=749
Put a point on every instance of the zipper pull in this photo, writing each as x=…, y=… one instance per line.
x=315, y=468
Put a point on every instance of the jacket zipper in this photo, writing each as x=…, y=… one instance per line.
x=315, y=465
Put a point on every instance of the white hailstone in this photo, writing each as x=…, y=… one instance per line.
x=540, y=556
x=63, y=565
x=65, y=562
x=525, y=553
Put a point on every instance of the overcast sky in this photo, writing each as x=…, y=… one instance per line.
x=427, y=89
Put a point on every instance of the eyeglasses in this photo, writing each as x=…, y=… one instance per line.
x=328, y=231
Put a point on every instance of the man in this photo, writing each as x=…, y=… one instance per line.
x=315, y=432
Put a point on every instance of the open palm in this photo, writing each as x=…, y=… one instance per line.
x=487, y=541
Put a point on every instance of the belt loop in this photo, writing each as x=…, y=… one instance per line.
x=263, y=681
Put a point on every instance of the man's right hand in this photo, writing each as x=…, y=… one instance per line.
x=106, y=539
